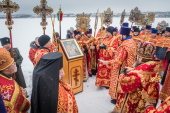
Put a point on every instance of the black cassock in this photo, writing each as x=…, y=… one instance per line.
x=160, y=52
x=168, y=61
x=44, y=97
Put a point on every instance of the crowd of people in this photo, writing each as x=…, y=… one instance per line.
x=125, y=61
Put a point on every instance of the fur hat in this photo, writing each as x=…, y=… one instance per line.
x=4, y=41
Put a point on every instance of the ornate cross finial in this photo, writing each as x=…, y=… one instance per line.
x=43, y=10
x=122, y=17
x=8, y=7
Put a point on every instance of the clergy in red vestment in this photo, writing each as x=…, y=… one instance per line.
x=14, y=96
x=153, y=37
x=34, y=47
x=136, y=35
x=82, y=43
x=146, y=34
x=140, y=84
x=125, y=57
x=106, y=52
x=88, y=39
x=125, y=24
x=92, y=52
x=45, y=44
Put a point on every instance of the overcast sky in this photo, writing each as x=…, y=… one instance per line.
x=91, y=6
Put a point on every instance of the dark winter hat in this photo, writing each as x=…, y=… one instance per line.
x=154, y=31
x=111, y=27
x=43, y=39
x=110, y=30
x=76, y=32
x=4, y=41
x=168, y=29
x=115, y=29
x=89, y=32
x=137, y=30
x=125, y=24
x=134, y=27
x=125, y=31
x=148, y=27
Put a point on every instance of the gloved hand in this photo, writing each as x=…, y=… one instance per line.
x=92, y=47
x=85, y=49
x=124, y=72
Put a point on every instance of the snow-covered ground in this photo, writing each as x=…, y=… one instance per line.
x=92, y=99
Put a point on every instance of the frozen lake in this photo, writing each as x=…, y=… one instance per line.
x=92, y=99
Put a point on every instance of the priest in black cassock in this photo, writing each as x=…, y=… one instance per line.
x=45, y=90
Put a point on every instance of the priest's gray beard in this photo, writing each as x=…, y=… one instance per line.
x=136, y=64
x=15, y=70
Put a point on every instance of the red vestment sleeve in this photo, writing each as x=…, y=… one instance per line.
x=129, y=83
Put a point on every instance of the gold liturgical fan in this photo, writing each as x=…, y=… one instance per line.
x=162, y=26
x=148, y=19
x=122, y=17
x=134, y=15
x=108, y=17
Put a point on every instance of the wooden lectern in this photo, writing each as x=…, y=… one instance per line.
x=72, y=63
